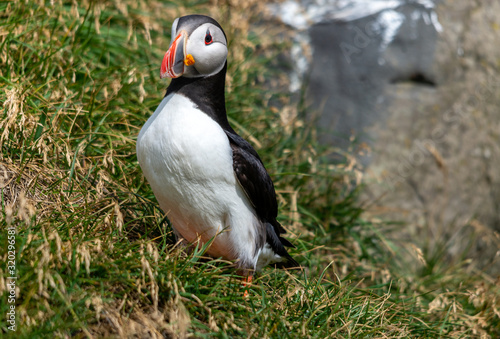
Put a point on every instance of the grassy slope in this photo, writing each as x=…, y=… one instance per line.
x=94, y=257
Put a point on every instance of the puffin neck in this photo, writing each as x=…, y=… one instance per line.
x=206, y=92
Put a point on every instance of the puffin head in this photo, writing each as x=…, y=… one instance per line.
x=198, y=48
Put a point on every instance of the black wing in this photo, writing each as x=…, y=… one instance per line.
x=259, y=188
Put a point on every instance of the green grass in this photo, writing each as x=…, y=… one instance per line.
x=95, y=256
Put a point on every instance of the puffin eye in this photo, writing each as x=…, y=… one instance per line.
x=208, y=38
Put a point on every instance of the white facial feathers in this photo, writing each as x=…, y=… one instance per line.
x=207, y=44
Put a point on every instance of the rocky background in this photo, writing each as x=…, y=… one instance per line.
x=418, y=82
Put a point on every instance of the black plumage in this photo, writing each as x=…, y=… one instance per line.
x=208, y=94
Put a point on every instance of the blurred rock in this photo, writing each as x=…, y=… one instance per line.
x=354, y=61
x=436, y=158
x=421, y=85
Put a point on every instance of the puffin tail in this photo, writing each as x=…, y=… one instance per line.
x=278, y=244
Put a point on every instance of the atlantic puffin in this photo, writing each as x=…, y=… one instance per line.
x=208, y=180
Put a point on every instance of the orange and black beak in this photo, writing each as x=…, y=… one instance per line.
x=175, y=60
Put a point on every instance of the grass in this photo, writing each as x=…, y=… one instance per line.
x=95, y=256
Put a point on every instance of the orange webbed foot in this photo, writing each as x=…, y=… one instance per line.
x=247, y=281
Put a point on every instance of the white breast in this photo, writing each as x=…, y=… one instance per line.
x=186, y=158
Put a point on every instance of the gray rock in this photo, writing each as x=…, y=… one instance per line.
x=425, y=95
x=354, y=61
x=436, y=157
